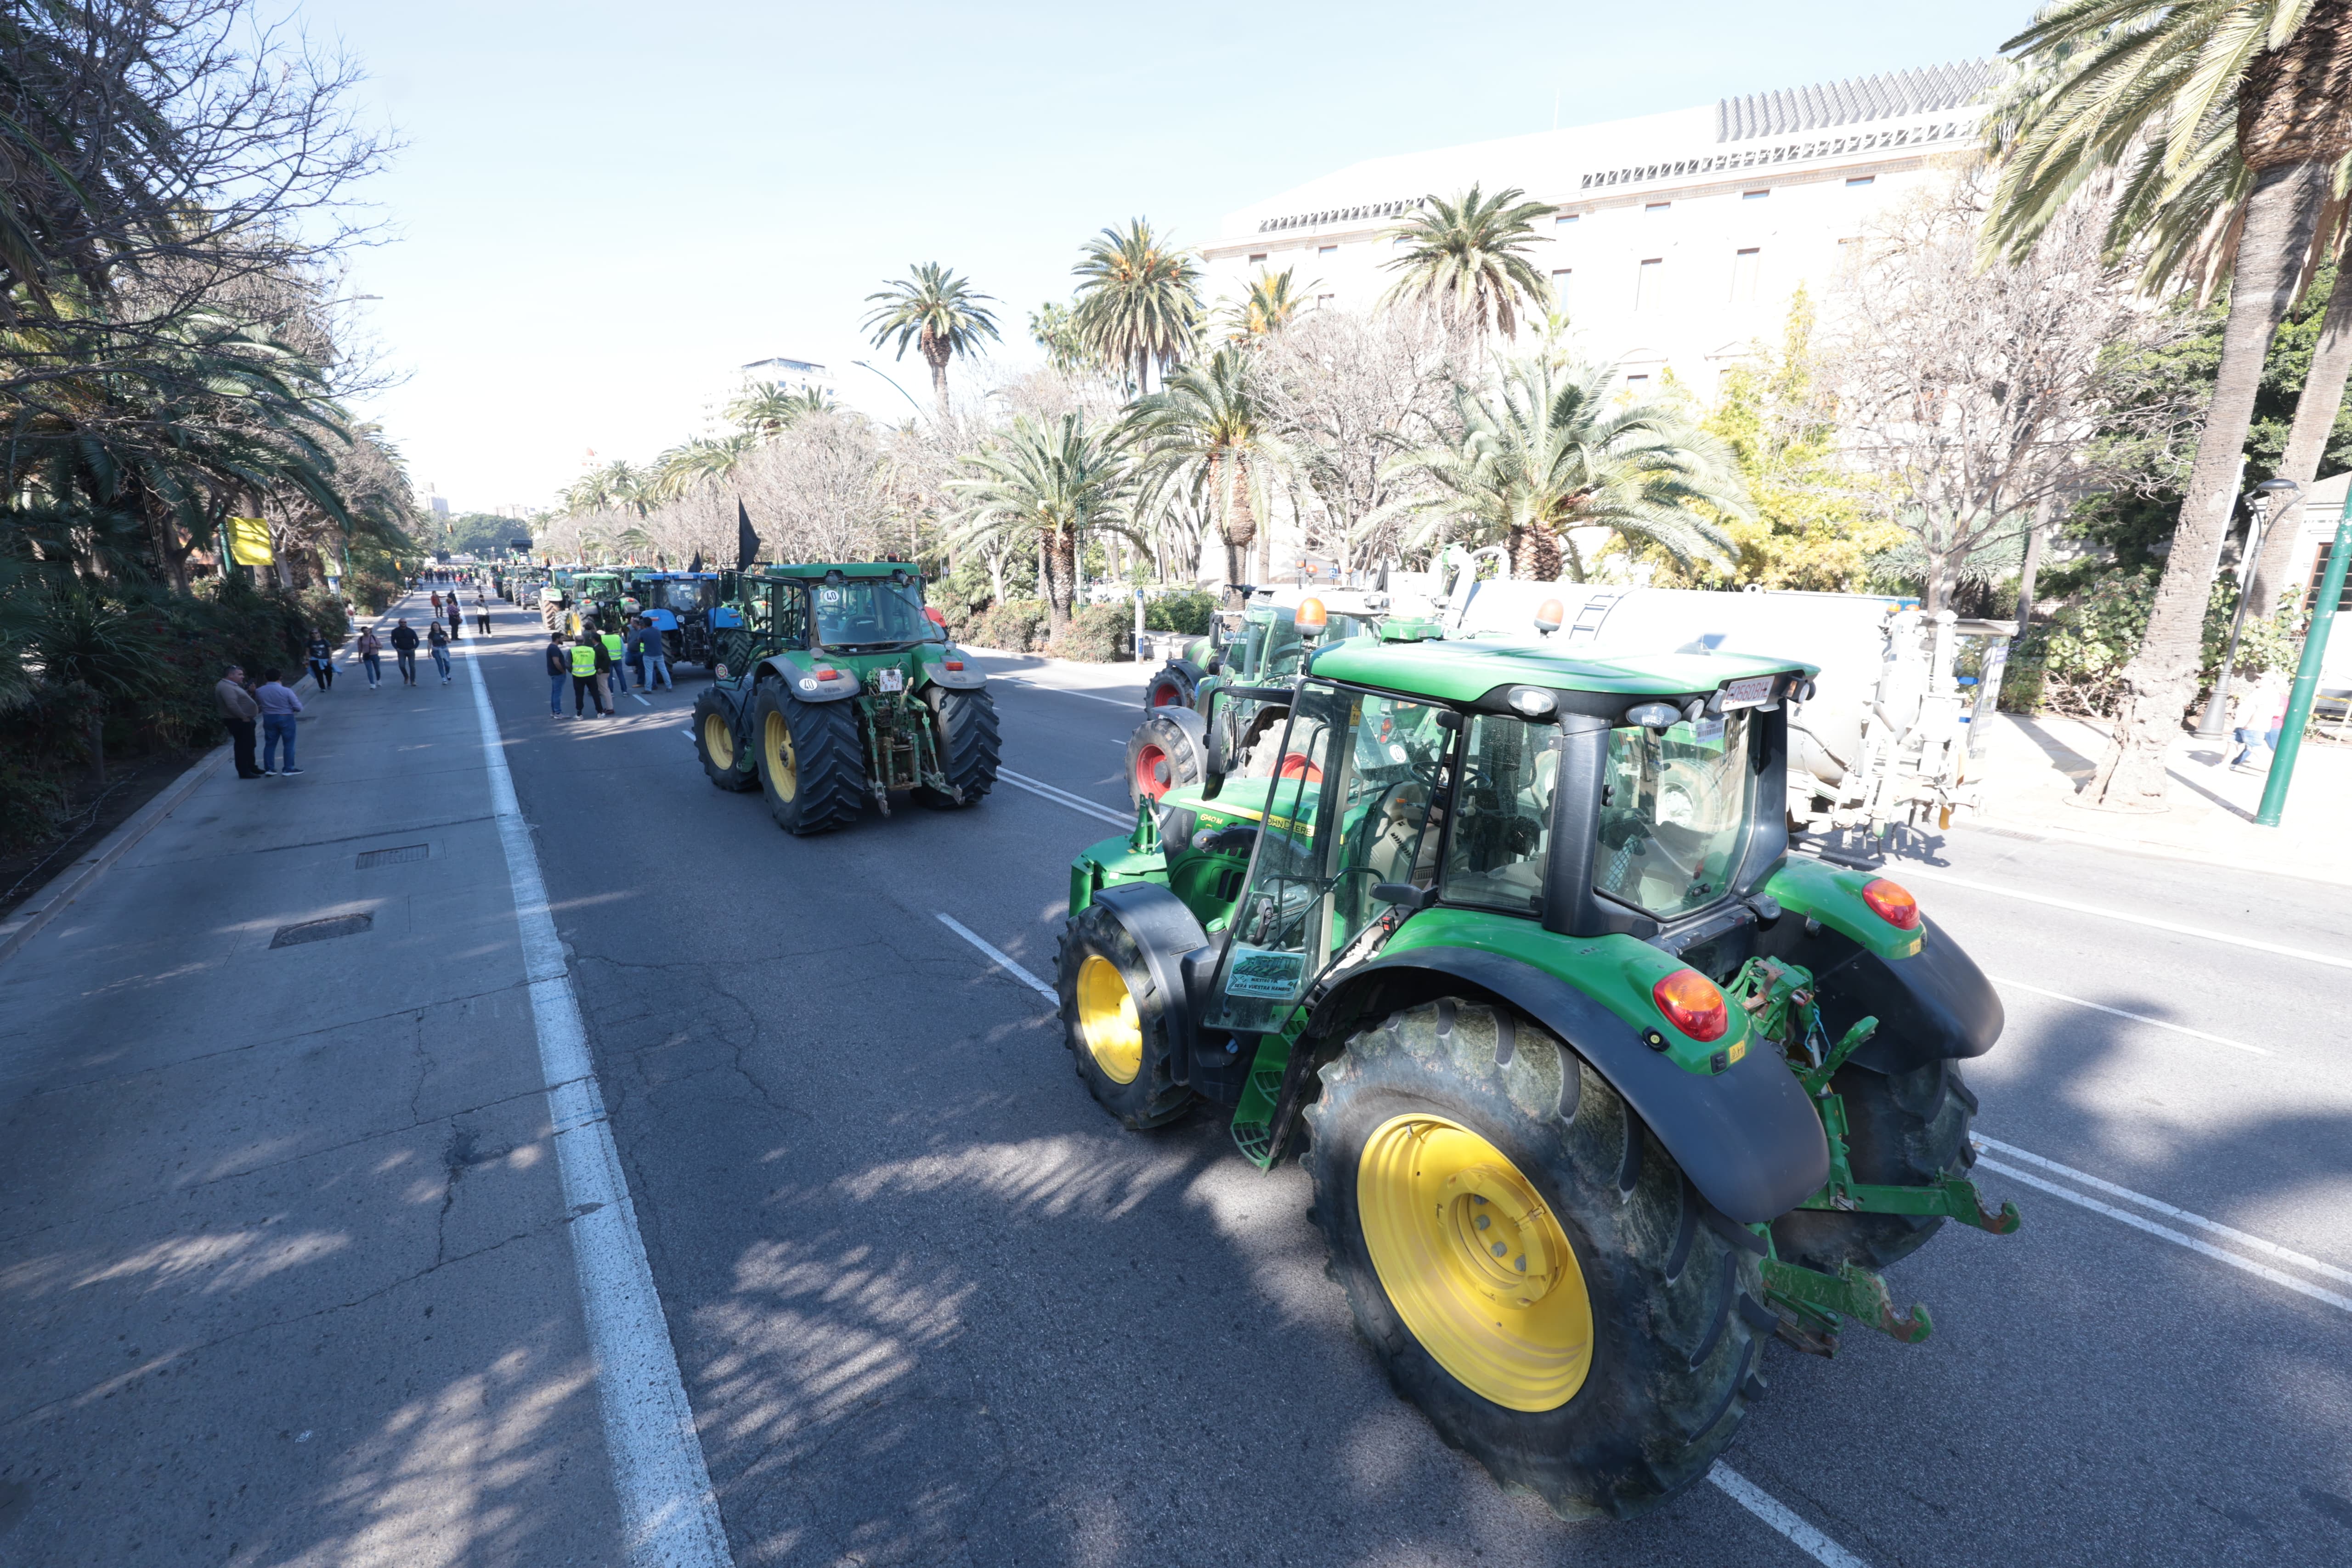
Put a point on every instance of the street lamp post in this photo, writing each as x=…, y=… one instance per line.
x=894, y=384
x=2268, y=500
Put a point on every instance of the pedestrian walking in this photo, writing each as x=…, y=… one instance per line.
x=238, y=711
x=457, y=617
x=2261, y=716
x=653, y=656
x=438, y=641
x=369, y=647
x=586, y=686
x=321, y=657
x=481, y=614
x=279, y=705
x=559, y=671
x=403, y=650
x=437, y=604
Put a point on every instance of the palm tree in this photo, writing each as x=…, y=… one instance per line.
x=936, y=311
x=705, y=458
x=1139, y=303
x=765, y=411
x=1052, y=329
x=1205, y=437
x=1549, y=450
x=1270, y=305
x=2112, y=77
x=1465, y=261
x=1057, y=481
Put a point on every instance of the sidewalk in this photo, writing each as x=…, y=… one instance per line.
x=2033, y=769
x=282, y=1246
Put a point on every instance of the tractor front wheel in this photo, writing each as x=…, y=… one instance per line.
x=811, y=768
x=1527, y=1263
x=1115, y=1023
x=724, y=762
x=964, y=724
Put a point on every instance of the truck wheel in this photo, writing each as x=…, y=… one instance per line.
x=811, y=768
x=1903, y=1129
x=1114, y=1022
x=725, y=763
x=965, y=725
x=1528, y=1265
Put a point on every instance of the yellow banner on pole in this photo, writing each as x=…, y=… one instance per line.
x=249, y=542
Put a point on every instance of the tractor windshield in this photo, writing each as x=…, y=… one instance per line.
x=1678, y=808
x=682, y=593
x=872, y=611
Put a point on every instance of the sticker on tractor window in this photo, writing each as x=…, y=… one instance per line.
x=889, y=680
x=1270, y=976
x=1747, y=693
x=1707, y=731
x=828, y=595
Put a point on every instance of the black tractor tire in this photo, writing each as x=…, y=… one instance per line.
x=1129, y=1066
x=1675, y=1295
x=1903, y=1129
x=1167, y=751
x=1175, y=685
x=964, y=725
x=812, y=764
x=726, y=762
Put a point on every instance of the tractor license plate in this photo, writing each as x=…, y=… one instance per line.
x=889, y=680
x=1747, y=693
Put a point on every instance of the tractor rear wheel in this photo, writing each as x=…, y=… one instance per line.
x=1115, y=1023
x=725, y=763
x=811, y=768
x=1172, y=687
x=1529, y=1264
x=964, y=723
x=1166, y=752
x=1903, y=1129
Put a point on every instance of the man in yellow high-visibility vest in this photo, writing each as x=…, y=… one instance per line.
x=615, y=672
x=586, y=654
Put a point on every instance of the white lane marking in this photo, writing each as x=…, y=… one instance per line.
x=2262, y=1271
x=1000, y=960
x=1135, y=702
x=1779, y=1515
x=1064, y=798
x=2199, y=933
x=2284, y=1255
x=2135, y=1017
x=668, y=1514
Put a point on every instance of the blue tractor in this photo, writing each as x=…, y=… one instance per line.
x=690, y=609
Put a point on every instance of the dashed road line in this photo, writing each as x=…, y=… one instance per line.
x=2199, y=933
x=1781, y=1517
x=1064, y=798
x=2135, y=1017
x=1001, y=959
x=1135, y=702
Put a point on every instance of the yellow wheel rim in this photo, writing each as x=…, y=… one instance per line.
x=719, y=740
x=1107, y=1020
x=1475, y=1263
x=783, y=767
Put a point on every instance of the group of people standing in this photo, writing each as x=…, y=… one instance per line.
x=597, y=666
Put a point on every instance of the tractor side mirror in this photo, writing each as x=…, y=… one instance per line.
x=1405, y=895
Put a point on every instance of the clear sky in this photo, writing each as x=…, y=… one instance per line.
x=602, y=210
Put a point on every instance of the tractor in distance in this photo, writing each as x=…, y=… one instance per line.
x=1599, y=1087
x=688, y=609
x=841, y=687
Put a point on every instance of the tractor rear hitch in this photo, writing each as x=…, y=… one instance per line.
x=1819, y=1302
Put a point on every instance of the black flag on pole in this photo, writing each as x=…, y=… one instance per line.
x=747, y=543
x=697, y=564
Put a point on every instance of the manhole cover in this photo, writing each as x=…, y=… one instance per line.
x=394, y=856
x=320, y=931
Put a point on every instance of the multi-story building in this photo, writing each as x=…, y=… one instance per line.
x=1674, y=239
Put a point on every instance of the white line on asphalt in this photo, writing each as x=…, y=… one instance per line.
x=1778, y=1514
x=1064, y=798
x=1134, y=702
x=2214, y=1226
x=668, y=1513
x=2198, y=932
x=1000, y=960
x=2262, y=1270
x=2135, y=1017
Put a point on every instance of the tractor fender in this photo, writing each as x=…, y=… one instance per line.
x=1934, y=1005
x=800, y=679
x=935, y=672
x=1748, y=1137
x=1165, y=933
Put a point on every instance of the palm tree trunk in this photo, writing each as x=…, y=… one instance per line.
x=939, y=387
x=1535, y=551
x=2315, y=418
x=1240, y=520
x=1061, y=572
x=2160, y=681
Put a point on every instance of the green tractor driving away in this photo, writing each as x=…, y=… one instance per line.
x=1598, y=1086
x=840, y=687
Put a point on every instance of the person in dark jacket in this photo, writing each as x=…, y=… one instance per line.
x=403, y=649
x=457, y=618
x=239, y=711
x=321, y=657
x=559, y=672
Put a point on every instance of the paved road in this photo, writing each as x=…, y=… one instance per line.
x=929, y=1306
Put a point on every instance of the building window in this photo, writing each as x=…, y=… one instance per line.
x=1859, y=180
x=1744, y=265
x=1650, y=284
x=2319, y=578
x=1563, y=220
x=1656, y=207
x=1327, y=250
x=1753, y=195
x=1259, y=256
x=1561, y=279
x=1637, y=383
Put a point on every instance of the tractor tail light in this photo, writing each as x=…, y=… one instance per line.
x=826, y=672
x=953, y=664
x=1892, y=902
x=1693, y=1005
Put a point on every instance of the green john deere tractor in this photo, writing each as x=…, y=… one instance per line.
x=840, y=686
x=1600, y=1088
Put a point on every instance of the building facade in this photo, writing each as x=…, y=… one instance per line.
x=1674, y=239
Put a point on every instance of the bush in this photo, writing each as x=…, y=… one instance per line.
x=1098, y=634
x=2074, y=661
x=1018, y=626
x=31, y=803
x=1187, y=611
